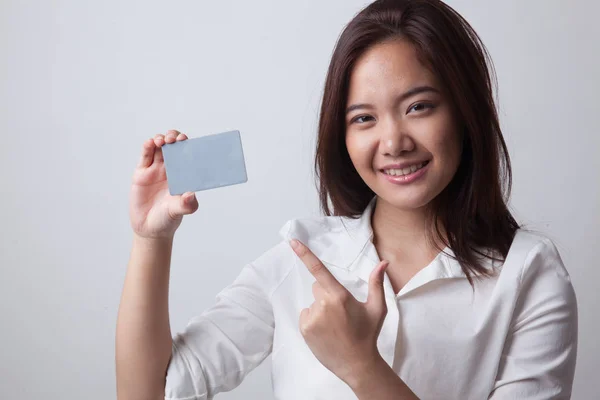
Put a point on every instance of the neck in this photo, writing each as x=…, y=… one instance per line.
x=399, y=233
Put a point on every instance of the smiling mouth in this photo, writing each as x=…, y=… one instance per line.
x=405, y=171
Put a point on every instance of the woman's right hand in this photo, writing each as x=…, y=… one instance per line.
x=153, y=212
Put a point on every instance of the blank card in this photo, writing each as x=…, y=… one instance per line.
x=205, y=162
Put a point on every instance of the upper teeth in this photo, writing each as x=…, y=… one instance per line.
x=404, y=171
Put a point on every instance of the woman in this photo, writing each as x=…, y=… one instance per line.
x=413, y=170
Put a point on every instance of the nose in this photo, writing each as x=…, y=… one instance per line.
x=395, y=141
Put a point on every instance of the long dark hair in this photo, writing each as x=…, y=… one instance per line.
x=472, y=209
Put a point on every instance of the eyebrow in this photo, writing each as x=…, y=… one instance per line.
x=401, y=98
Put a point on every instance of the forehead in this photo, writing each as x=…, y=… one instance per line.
x=390, y=66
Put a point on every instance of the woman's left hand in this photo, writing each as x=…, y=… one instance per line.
x=341, y=331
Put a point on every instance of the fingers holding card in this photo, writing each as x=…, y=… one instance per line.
x=171, y=168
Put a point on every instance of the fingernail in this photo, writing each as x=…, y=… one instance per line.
x=294, y=243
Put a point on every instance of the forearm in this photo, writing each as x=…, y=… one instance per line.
x=380, y=382
x=143, y=337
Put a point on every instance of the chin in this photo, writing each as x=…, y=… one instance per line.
x=408, y=204
x=405, y=201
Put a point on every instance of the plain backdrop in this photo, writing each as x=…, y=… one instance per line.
x=84, y=83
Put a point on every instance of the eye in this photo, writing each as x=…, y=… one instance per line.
x=419, y=107
x=359, y=117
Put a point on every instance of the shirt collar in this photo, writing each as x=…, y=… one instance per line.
x=443, y=266
x=352, y=247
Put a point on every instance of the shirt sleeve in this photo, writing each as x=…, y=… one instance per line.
x=222, y=345
x=538, y=360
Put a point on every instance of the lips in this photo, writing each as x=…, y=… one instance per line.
x=404, y=170
x=413, y=173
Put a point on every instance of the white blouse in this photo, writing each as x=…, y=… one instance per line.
x=514, y=336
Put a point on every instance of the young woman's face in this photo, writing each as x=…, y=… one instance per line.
x=402, y=136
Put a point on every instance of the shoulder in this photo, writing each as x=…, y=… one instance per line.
x=329, y=238
x=314, y=228
x=534, y=252
x=540, y=349
x=334, y=240
x=541, y=278
x=309, y=230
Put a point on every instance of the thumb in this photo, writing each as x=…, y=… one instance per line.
x=376, y=296
x=183, y=205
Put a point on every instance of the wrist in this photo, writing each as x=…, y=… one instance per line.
x=366, y=372
x=151, y=253
x=152, y=242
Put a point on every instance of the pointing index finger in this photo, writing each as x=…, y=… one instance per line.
x=316, y=267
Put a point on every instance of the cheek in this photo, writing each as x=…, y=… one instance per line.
x=448, y=149
x=360, y=149
x=445, y=141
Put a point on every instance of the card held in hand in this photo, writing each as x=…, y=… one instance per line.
x=205, y=162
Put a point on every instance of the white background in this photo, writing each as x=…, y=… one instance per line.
x=84, y=83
